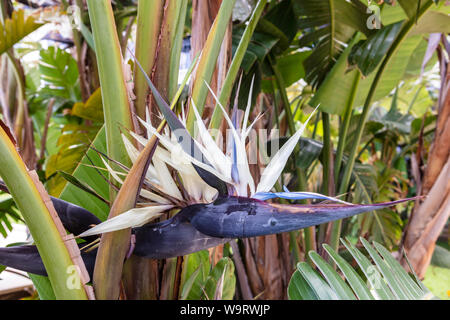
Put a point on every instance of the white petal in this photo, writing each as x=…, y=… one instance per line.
x=273, y=170
x=132, y=218
x=245, y=177
x=167, y=183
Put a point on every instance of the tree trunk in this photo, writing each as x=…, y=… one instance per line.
x=429, y=218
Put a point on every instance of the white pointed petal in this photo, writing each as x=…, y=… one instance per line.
x=139, y=138
x=247, y=132
x=113, y=173
x=245, y=177
x=133, y=153
x=167, y=183
x=273, y=170
x=133, y=218
x=249, y=104
x=153, y=197
x=212, y=149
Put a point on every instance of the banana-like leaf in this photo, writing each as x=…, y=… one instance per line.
x=91, y=177
x=393, y=282
x=367, y=54
x=15, y=29
x=335, y=25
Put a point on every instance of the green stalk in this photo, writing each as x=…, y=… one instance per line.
x=20, y=115
x=208, y=60
x=177, y=42
x=327, y=181
x=336, y=229
x=345, y=125
x=46, y=234
x=227, y=87
x=149, y=19
x=116, y=105
x=310, y=240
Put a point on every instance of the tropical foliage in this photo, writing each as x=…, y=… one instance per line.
x=190, y=149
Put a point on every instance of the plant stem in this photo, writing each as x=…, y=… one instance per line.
x=208, y=60
x=227, y=87
x=345, y=125
x=310, y=241
x=28, y=194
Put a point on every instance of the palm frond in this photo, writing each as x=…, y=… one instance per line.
x=382, y=277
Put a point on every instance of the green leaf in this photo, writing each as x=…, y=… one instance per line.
x=191, y=263
x=43, y=287
x=335, y=25
x=221, y=280
x=92, y=109
x=320, y=287
x=371, y=272
x=299, y=289
x=335, y=91
x=432, y=22
x=15, y=29
x=92, y=178
x=332, y=277
x=59, y=72
x=308, y=284
x=410, y=285
x=354, y=280
x=367, y=54
x=392, y=279
x=258, y=47
x=72, y=145
x=194, y=277
x=280, y=22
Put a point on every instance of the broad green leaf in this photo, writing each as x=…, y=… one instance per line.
x=92, y=178
x=59, y=73
x=335, y=91
x=92, y=109
x=299, y=289
x=281, y=23
x=198, y=260
x=320, y=287
x=258, y=47
x=354, y=280
x=392, y=279
x=332, y=277
x=367, y=54
x=15, y=29
x=432, y=22
x=189, y=283
x=43, y=287
x=335, y=25
x=221, y=278
x=377, y=283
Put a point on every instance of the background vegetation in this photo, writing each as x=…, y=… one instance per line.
x=378, y=72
